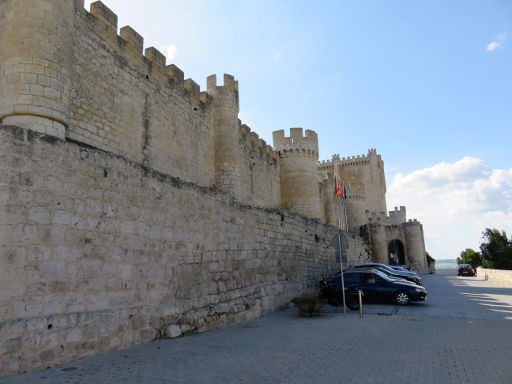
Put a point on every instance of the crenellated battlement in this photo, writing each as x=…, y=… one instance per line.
x=376, y=217
x=253, y=141
x=356, y=196
x=398, y=216
x=225, y=96
x=296, y=137
x=129, y=44
x=359, y=159
x=325, y=165
x=296, y=144
x=329, y=164
x=230, y=84
x=395, y=217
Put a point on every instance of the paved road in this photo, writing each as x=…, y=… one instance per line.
x=461, y=334
x=463, y=297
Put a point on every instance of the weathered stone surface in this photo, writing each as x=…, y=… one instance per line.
x=173, y=331
x=162, y=271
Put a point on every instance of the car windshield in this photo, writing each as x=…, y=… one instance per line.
x=387, y=268
x=382, y=275
x=390, y=272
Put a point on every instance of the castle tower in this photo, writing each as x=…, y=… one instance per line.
x=379, y=241
x=398, y=216
x=226, y=134
x=298, y=161
x=375, y=187
x=415, y=241
x=366, y=186
x=36, y=40
x=332, y=208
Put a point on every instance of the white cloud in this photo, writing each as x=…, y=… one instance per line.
x=493, y=46
x=498, y=44
x=455, y=202
x=170, y=51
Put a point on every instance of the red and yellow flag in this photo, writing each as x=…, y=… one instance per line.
x=338, y=187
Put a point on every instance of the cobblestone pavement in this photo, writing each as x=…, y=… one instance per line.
x=462, y=333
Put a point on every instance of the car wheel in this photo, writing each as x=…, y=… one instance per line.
x=402, y=298
x=353, y=303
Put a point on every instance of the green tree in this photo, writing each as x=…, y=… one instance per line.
x=430, y=259
x=496, y=249
x=470, y=256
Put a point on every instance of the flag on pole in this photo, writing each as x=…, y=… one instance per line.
x=344, y=191
x=338, y=187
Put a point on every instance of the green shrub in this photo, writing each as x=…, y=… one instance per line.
x=308, y=302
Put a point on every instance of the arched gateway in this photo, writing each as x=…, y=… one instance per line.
x=396, y=252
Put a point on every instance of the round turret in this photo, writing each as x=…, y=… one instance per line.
x=298, y=162
x=36, y=40
x=376, y=183
x=226, y=134
x=379, y=241
x=415, y=245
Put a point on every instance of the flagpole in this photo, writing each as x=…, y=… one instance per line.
x=345, y=209
x=336, y=196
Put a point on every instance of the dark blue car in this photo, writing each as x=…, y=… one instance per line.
x=377, y=287
x=407, y=275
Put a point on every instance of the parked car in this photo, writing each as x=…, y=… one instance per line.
x=334, y=295
x=402, y=268
x=407, y=275
x=377, y=287
x=465, y=269
x=387, y=273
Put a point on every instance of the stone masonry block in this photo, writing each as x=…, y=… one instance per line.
x=155, y=56
x=104, y=14
x=12, y=255
x=173, y=331
x=132, y=37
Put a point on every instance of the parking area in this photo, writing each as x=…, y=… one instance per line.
x=462, y=297
x=449, y=296
x=462, y=333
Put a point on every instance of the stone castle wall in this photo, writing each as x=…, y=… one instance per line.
x=260, y=183
x=133, y=105
x=100, y=252
x=133, y=205
x=97, y=87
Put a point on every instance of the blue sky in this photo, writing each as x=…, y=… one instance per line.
x=426, y=83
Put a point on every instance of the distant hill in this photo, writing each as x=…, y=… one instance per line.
x=446, y=263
